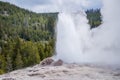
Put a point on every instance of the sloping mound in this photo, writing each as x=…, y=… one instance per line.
x=64, y=72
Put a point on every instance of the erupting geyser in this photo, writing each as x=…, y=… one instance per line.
x=76, y=43
x=72, y=36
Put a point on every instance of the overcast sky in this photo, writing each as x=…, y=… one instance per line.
x=56, y=5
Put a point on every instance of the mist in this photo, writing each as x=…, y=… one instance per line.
x=76, y=43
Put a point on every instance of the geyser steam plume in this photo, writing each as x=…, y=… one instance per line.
x=76, y=43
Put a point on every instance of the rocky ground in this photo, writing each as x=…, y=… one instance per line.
x=64, y=72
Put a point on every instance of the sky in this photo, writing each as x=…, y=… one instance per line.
x=56, y=5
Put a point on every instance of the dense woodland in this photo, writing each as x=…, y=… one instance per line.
x=26, y=37
x=94, y=17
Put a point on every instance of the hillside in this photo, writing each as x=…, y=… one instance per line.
x=26, y=37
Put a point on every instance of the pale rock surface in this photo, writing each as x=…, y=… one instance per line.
x=64, y=72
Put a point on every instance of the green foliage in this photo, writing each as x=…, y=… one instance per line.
x=94, y=17
x=1, y=71
x=18, y=61
x=9, y=63
x=2, y=64
x=26, y=37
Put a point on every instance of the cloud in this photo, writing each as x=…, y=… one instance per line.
x=45, y=8
x=68, y=5
x=55, y=5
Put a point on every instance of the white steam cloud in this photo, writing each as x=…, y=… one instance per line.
x=76, y=43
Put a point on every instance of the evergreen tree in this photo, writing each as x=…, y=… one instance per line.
x=9, y=63
x=2, y=64
x=18, y=61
